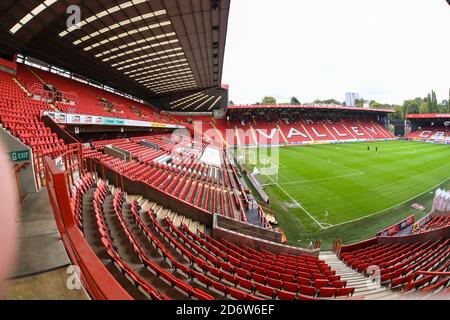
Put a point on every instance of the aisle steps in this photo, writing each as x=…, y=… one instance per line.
x=354, y=279
x=161, y=212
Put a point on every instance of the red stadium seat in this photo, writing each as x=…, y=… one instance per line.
x=303, y=281
x=307, y=291
x=230, y=278
x=259, y=278
x=264, y=290
x=339, y=284
x=274, y=283
x=343, y=292
x=284, y=295
x=291, y=287
x=318, y=283
x=327, y=292
x=236, y=293
x=246, y=284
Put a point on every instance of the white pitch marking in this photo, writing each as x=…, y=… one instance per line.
x=396, y=205
x=279, y=164
x=333, y=162
x=320, y=179
x=298, y=204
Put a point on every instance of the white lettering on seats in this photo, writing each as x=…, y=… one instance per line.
x=439, y=135
x=263, y=133
x=294, y=132
x=372, y=129
x=340, y=134
x=356, y=130
x=319, y=135
x=425, y=134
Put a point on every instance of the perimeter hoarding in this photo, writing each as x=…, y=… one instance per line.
x=80, y=119
x=396, y=228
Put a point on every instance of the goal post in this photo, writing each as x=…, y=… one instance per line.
x=261, y=162
x=265, y=179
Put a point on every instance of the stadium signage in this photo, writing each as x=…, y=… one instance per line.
x=80, y=119
x=396, y=228
x=17, y=156
x=418, y=206
x=353, y=131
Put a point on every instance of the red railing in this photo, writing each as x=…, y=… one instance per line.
x=96, y=279
x=38, y=89
x=102, y=166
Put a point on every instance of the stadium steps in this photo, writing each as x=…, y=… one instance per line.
x=307, y=132
x=128, y=254
x=91, y=234
x=344, y=124
x=203, y=198
x=36, y=76
x=43, y=82
x=175, y=253
x=29, y=94
x=22, y=86
x=285, y=140
x=236, y=209
x=219, y=134
x=236, y=134
x=356, y=280
x=254, y=135
x=328, y=130
x=229, y=210
x=161, y=212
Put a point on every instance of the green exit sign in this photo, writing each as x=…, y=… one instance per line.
x=17, y=156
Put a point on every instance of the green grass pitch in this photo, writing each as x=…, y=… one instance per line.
x=362, y=191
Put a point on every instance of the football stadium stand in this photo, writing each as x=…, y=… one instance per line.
x=429, y=128
x=433, y=134
x=146, y=194
x=435, y=222
x=180, y=261
x=401, y=263
x=21, y=116
x=71, y=96
x=251, y=125
x=180, y=254
x=413, y=261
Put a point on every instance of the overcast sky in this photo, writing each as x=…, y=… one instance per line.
x=386, y=50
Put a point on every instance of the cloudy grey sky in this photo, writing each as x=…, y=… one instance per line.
x=386, y=50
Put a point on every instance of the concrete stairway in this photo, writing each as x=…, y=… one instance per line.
x=162, y=212
x=37, y=76
x=22, y=86
x=363, y=288
x=43, y=82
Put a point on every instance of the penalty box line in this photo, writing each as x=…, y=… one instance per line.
x=321, y=179
x=333, y=162
x=295, y=201
x=392, y=207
